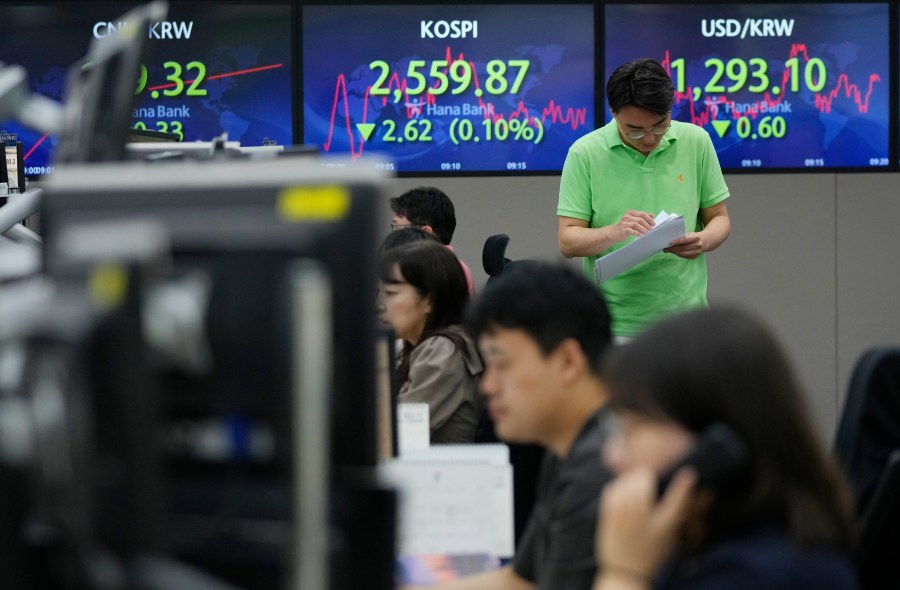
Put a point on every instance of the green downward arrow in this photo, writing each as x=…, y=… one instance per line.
x=366, y=129
x=721, y=127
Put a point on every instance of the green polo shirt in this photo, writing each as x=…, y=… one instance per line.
x=603, y=178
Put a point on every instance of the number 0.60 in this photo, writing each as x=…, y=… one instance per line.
x=768, y=127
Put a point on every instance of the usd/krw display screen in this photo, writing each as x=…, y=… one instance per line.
x=212, y=68
x=776, y=85
x=449, y=88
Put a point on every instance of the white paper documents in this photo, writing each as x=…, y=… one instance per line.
x=455, y=500
x=413, y=427
x=668, y=227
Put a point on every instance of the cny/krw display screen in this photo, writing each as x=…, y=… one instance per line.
x=213, y=68
x=449, y=88
x=776, y=85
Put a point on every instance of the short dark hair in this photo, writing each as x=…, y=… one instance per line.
x=428, y=205
x=642, y=83
x=722, y=365
x=405, y=235
x=550, y=303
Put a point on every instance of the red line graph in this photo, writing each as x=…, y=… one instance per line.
x=226, y=75
x=414, y=106
x=710, y=108
x=35, y=146
x=172, y=85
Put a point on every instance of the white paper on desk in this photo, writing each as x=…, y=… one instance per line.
x=668, y=227
x=445, y=507
x=413, y=427
x=502, y=515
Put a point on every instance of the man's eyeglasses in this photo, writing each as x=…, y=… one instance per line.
x=396, y=226
x=640, y=133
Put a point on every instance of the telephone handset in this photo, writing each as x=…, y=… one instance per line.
x=717, y=457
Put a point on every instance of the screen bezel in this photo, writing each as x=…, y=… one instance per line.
x=596, y=102
x=893, y=74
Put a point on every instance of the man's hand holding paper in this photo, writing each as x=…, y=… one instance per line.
x=687, y=246
x=633, y=223
x=666, y=229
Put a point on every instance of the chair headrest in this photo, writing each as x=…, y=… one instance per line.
x=493, y=256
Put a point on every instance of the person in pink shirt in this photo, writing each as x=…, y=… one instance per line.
x=431, y=209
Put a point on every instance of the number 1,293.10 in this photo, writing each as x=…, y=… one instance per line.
x=739, y=71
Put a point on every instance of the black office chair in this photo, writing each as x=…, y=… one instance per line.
x=525, y=459
x=868, y=448
x=493, y=255
x=493, y=260
x=878, y=544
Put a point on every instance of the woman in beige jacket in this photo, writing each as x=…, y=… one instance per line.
x=423, y=295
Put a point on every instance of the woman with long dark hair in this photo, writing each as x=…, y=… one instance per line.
x=423, y=295
x=781, y=520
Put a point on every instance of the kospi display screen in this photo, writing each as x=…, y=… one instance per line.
x=450, y=88
x=212, y=68
x=777, y=86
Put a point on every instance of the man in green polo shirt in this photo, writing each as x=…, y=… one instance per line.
x=618, y=177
